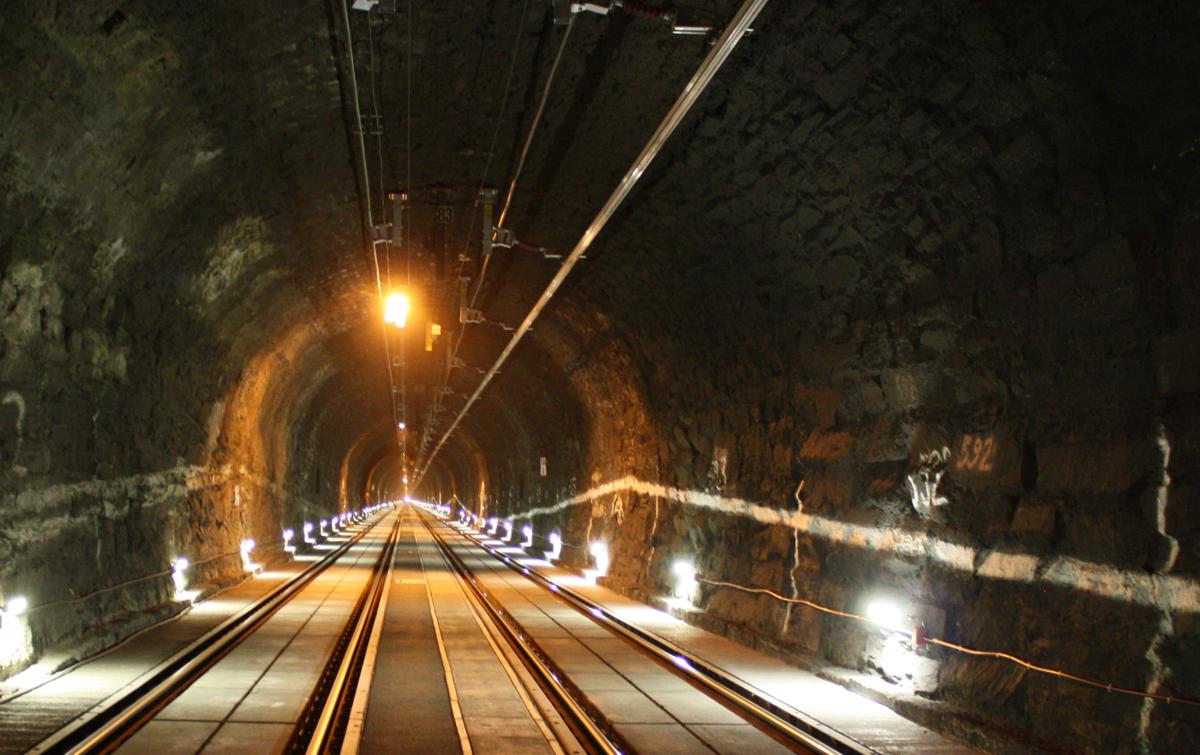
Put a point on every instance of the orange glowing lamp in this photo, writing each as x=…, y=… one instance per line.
x=395, y=310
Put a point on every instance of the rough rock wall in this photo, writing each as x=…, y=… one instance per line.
x=937, y=265
x=154, y=384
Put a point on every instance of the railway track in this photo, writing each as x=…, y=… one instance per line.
x=587, y=680
x=602, y=731
x=109, y=724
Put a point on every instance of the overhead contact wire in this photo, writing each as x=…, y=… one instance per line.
x=376, y=111
x=512, y=186
x=487, y=167
x=691, y=93
x=366, y=180
x=537, y=117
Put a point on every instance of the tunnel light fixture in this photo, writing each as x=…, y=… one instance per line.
x=288, y=536
x=599, y=551
x=527, y=531
x=247, y=548
x=886, y=613
x=401, y=426
x=308, y=538
x=685, y=581
x=17, y=605
x=493, y=523
x=395, y=310
x=14, y=638
x=508, y=530
x=324, y=526
x=555, y=546
x=179, y=574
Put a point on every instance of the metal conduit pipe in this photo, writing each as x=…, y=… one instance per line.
x=691, y=93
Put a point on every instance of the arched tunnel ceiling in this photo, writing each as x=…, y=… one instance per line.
x=887, y=230
x=758, y=231
x=248, y=207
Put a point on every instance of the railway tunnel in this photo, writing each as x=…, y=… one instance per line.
x=841, y=357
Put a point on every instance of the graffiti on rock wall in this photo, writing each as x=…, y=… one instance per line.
x=976, y=453
x=716, y=470
x=923, y=483
x=16, y=400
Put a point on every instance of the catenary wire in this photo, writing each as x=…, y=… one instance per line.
x=691, y=93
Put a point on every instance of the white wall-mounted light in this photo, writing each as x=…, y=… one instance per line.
x=492, y=524
x=308, y=528
x=685, y=581
x=599, y=551
x=527, y=531
x=17, y=605
x=288, y=536
x=887, y=613
x=508, y=530
x=247, y=548
x=15, y=645
x=179, y=574
x=324, y=524
x=555, y=546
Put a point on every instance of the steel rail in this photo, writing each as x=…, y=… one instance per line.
x=700, y=80
x=799, y=729
x=328, y=726
x=119, y=716
x=595, y=736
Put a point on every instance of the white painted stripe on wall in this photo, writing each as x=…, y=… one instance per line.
x=149, y=490
x=1172, y=592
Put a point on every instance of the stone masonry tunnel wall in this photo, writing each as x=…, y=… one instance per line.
x=164, y=366
x=891, y=229
x=954, y=243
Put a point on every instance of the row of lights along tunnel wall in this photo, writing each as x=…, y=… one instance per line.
x=15, y=610
x=905, y=634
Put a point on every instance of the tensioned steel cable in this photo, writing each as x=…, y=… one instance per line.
x=366, y=179
x=683, y=104
x=435, y=403
x=408, y=146
x=537, y=117
x=379, y=151
x=512, y=186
